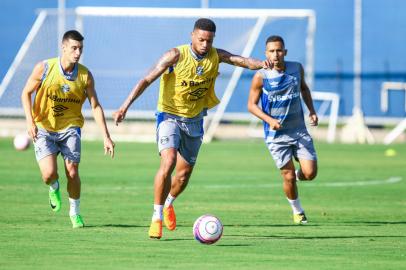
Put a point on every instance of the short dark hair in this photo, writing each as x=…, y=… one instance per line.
x=275, y=38
x=205, y=24
x=73, y=34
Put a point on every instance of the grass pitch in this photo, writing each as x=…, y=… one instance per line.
x=356, y=211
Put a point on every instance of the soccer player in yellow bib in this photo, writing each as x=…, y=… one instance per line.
x=188, y=74
x=55, y=119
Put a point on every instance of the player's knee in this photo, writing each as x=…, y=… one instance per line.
x=49, y=177
x=288, y=175
x=72, y=175
x=309, y=175
x=182, y=178
x=168, y=164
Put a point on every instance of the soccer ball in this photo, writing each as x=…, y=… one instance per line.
x=21, y=142
x=207, y=229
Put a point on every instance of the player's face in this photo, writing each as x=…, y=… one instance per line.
x=202, y=41
x=275, y=51
x=72, y=50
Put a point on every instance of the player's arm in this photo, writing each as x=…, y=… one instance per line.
x=167, y=60
x=240, y=61
x=32, y=85
x=98, y=115
x=307, y=98
x=253, y=99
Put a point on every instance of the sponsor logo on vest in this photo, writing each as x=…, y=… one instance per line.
x=58, y=110
x=274, y=84
x=193, y=83
x=198, y=93
x=199, y=70
x=183, y=83
x=283, y=97
x=65, y=88
x=63, y=100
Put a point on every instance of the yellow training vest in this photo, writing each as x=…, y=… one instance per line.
x=188, y=88
x=58, y=101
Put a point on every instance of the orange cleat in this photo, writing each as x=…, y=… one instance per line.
x=155, y=230
x=169, y=217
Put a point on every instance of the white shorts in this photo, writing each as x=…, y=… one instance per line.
x=66, y=142
x=186, y=137
x=283, y=151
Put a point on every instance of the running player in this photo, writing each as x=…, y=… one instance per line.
x=186, y=93
x=55, y=119
x=286, y=136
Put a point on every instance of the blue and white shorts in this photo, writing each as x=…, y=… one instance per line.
x=184, y=135
x=66, y=142
x=283, y=151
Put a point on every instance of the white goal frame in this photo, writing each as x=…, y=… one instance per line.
x=213, y=119
x=261, y=15
x=401, y=127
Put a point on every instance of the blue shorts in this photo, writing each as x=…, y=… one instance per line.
x=66, y=142
x=185, y=136
x=283, y=151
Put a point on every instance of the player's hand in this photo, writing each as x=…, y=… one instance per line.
x=119, y=116
x=274, y=124
x=267, y=64
x=32, y=131
x=109, y=146
x=314, y=120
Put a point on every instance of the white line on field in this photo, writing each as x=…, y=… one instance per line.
x=390, y=180
x=317, y=183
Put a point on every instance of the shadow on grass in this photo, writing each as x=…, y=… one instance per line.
x=376, y=223
x=371, y=237
x=235, y=245
x=269, y=225
x=173, y=239
x=124, y=226
x=116, y=226
x=322, y=224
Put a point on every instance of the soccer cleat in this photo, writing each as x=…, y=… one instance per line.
x=55, y=200
x=155, y=230
x=299, y=218
x=169, y=217
x=77, y=221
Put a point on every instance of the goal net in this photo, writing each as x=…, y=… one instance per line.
x=121, y=45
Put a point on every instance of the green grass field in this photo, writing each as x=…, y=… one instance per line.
x=356, y=211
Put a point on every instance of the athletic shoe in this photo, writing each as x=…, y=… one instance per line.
x=155, y=230
x=55, y=200
x=169, y=217
x=77, y=221
x=299, y=218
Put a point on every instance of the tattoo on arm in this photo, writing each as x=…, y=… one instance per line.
x=168, y=59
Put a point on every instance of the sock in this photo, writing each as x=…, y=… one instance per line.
x=74, y=207
x=296, y=206
x=54, y=186
x=157, y=215
x=169, y=200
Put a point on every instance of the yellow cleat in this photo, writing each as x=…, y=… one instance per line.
x=169, y=217
x=155, y=230
x=299, y=218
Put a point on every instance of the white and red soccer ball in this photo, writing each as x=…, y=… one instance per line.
x=21, y=142
x=207, y=229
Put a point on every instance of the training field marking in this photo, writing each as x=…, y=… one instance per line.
x=390, y=180
x=144, y=186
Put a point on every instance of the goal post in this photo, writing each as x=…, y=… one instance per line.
x=239, y=31
x=122, y=43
